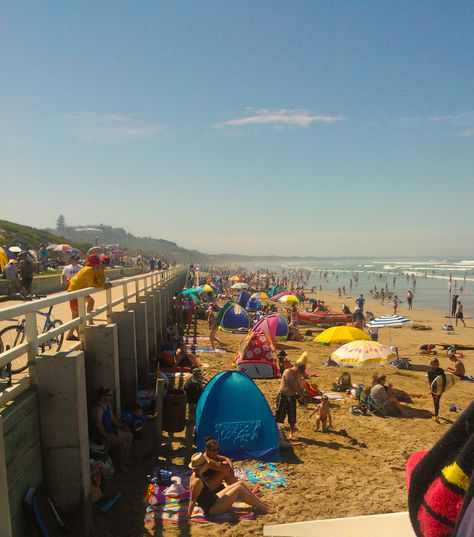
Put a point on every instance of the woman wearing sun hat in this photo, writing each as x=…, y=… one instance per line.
x=212, y=503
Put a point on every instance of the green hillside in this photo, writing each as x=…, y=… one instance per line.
x=108, y=235
x=12, y=234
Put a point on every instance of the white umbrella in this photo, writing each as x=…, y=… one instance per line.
x=240, y=286
x=362, y=353
x=15, y=249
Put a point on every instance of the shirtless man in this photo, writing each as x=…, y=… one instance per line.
x=291, y=387
x=458, y=367
x=323, y=414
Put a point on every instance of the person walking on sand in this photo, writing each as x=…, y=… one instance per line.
x=459, y=314
x=454, y=303
x=291, y=387
x=323, y=414
x=435, y=371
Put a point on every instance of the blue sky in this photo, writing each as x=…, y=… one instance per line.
x=255, y=127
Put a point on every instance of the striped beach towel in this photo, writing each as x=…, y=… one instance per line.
x=175, y=511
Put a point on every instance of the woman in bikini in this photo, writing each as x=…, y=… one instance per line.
x=213, y=503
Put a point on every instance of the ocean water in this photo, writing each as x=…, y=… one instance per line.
x=429, y=279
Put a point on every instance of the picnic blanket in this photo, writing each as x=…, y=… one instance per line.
x=164, y=509
x=267, y=475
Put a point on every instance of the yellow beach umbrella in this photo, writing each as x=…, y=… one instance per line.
x=206, y=288
x=3, y=258
x=234, y=278
x=362, y=353
x=289, y=298
x=341, y=334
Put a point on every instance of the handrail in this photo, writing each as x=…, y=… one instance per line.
x=141, y=283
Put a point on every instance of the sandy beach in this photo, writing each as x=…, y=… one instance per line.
x=328, y=474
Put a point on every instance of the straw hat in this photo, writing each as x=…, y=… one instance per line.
x=197, y=460
x=303, y=359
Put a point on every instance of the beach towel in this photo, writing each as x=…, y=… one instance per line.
x=267, y=475
x=174, y=510
x=467, y=378
x=192, y=348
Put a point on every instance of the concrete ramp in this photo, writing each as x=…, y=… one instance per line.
x=387, y=525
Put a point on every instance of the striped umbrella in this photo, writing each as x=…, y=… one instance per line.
x=362, y=353
x=388, y=320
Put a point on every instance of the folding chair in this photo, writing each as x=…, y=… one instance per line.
x=375, y=409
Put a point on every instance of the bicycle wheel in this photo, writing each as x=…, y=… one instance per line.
x=12, y=336
x=55, y=343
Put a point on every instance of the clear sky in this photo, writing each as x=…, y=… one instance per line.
x=256, y=127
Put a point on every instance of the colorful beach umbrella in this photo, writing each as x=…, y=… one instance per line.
x=260, y=296
x=191, y=291
x=340, y=334
x=289, y=298
x=62, y=248
x=277, y=297
x=362, y=353
x=234, y=278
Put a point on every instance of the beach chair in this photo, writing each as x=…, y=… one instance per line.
x=375, y=409
x=448, y=329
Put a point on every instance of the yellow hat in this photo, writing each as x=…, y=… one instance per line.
x=303, y=359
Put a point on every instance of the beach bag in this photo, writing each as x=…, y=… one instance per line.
x=160, y=476
x=108, y=470
x=441, y=483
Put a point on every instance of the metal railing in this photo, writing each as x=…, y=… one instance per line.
x=141, y=284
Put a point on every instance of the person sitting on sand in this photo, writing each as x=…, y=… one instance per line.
x=294, y=334
x=383, y=396
x=428, y=348
x=220, y=469
x=184, y=358
x=458, y=367
x=323, y=414
x=213, y=503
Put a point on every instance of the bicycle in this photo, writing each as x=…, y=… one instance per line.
x=14, y=335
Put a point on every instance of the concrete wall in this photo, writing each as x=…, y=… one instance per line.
x=20, y=461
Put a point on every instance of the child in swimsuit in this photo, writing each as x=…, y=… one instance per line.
x=323, y=414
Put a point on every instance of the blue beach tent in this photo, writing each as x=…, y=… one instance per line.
x=253, y=305
x=233, y=318
x=233, y=410
x=243, y=299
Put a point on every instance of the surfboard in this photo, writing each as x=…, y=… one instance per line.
x=459, y=346
x=437, y=384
